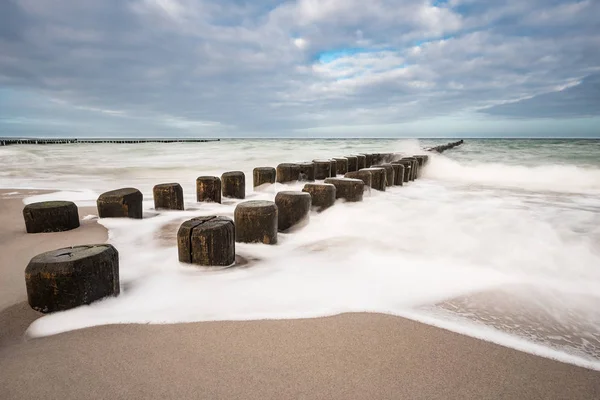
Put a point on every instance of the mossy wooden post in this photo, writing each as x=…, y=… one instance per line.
x=398, y=173
x=364, y=176
x=51, y=216
x=307, y=172
x=288, y=172
x=342, y=165
x=361, y=161
x=256, y=221
x=73, y=276
x=263, y=175
x=120, y=203
x=234, y=184
x=352, y=163
x=333, y=163
x=378, y=177
x=208, y=241
x=292, y=208
x=322, y=169
x=348, y=189
x=322, y=195
x=208, y=189
x=168, y=196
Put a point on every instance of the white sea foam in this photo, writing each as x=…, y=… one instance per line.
x=452, y=233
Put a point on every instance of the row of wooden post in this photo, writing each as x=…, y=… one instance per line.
x=69, y=277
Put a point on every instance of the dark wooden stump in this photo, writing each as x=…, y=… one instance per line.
x=120, y=203
x=348, y=189
x=322, y=169
x=168, y=196
x=407, y=169
x=398, y=173
x=288, y=172
x=256, y=222
x=413, y=167
x=378, y=177
x=234, y=184
x=208, y=241
x=51, y=216
x=307, y=172
x=342, y=165
x=368, y=160
x=389, y=173
x=364, y=176
x=352, y=163
x=361, y=161
x=333, y=168
x=292, y=208
x=208, y=189
x=73, y=276
x=263, y=175
x=322, y=195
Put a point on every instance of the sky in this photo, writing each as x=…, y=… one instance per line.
x=304, y=68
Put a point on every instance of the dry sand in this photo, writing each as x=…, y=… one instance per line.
x=350, y=356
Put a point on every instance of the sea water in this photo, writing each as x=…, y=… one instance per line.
x=498, y=239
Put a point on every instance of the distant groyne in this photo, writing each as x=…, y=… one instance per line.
x=9, y=141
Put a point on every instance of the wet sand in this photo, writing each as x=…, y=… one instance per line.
x=347, y=356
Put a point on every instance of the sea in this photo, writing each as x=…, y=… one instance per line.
x=498, y=239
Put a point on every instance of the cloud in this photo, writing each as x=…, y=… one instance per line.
x=270, y=67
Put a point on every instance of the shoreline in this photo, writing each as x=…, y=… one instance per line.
x=351, y=355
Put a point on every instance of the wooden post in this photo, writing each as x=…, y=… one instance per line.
x=51, y=216
x=73, y=276
x=348, y=189
x=263, y=175
x=234, y=184
x=288, y=172
x=322, y=195
x=208, y=241
x=208, y=189
x=120, y=203
x=256, y=221
x=292, y=208
x=168, y=196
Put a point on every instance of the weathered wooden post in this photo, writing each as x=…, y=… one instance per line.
x=352, y=163
x=263, y=175
x=73, y=276
x=407, y=164
x=234, y=184
x=348, y=189
x=378, y=177
x=368, y=160
x=208, y=241
x=364, y=176
x=361, y=161
x=51, y=216
x=322, y=169
x=288, y=172
x=120, y=203
x=307, y=172
x=333, y=167
x=389, y=173
x=413, y=167
x=398, y=173
x=342, y=165
x=208, y=189
x=292, y=208
x=256, y=221
x=322, y=195
x=168, y=196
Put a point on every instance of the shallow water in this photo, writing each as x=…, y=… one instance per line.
x=489, y=216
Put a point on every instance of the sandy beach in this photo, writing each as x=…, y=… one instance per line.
x=347, y=356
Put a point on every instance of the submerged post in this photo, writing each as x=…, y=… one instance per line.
x=322, y=195
x=168, y=196
x=234, y=184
